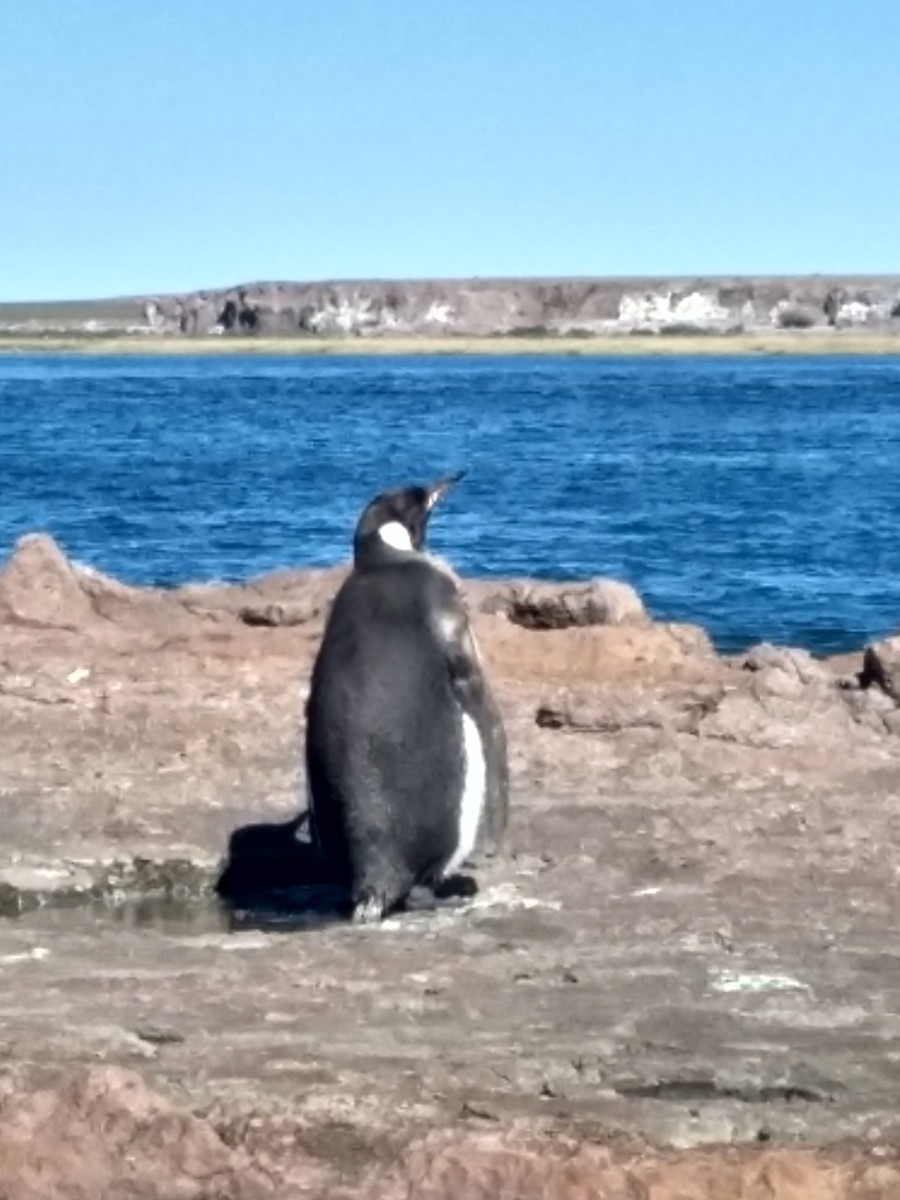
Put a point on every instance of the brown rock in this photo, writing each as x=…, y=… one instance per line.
x=122, y=604
x=38, y=586
x=788, y=661
x=595, y=653
x=280, y=598
x=562, y=605
x=494, y=1167
x=783, y=714
x=104, y=1133
x=272, y=615
x=446, y=307
x=789, y=673
x=611, y=711
x=683, y=937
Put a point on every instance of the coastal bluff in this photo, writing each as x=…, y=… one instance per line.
x=481, y=307
x=677, y=979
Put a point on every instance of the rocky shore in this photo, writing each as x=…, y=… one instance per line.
x=679, y=979
x=482, y=308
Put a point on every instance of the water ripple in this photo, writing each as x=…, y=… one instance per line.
x=759, y=497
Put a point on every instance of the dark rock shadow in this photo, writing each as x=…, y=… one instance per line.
x=274, y=879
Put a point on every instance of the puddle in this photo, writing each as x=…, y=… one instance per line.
x=294, y=910
x=179, y=917
x=298, y=910
x=272, y=881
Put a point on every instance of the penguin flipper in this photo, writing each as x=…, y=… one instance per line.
x=469, y=685
x=461, y=654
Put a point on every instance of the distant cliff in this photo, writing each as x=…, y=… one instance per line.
x=485, y=307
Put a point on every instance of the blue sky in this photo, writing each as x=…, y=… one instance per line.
x=167, y=146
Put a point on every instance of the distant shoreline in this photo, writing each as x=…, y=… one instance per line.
x=574, y=316
x=774, y=343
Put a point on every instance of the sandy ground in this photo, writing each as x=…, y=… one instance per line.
x=776, y=341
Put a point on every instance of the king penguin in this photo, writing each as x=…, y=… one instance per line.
x=406, y=752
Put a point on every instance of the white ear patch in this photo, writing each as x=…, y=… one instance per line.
x=392, y=533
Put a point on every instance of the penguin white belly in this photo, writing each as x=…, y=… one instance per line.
x=473, y=794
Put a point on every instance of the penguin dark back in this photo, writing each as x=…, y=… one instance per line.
x=405, y=746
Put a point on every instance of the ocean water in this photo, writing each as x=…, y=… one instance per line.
x=759, y=497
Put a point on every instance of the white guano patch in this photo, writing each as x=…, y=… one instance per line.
x=472, y=802
x=33, y=955
x=661, y=308
x=752, y=981
x=439, y=313
x=394, y=534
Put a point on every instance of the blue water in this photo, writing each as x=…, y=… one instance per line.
x=759, y=497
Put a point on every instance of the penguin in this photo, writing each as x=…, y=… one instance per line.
x=406, y=752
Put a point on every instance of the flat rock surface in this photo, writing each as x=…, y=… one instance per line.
x=682, y=964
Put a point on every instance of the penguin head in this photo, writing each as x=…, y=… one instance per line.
x=395, y=522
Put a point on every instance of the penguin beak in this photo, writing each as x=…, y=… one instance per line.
x=437, y=490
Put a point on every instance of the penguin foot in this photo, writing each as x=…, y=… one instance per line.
x=369, y=909
x=455, y=887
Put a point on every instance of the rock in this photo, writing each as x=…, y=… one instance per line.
x=791, y=661
x=873, y=708
x=654, y=310
x=38, y=586
x=679, y=819
x=612, y=711
x=881, y=666
x=104, y=1132
x=777, y=699
x=276, y=322
x=565, y=308
x=272, y=615
x=780, y=717
x=564, y=605
x=280, y=598
x=26, y=876
x=790, y=315
x=596, y=653
x=785, y=671
x=497, y=1167
x=139, y=607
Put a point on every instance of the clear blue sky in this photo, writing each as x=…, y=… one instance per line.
x=164, y=146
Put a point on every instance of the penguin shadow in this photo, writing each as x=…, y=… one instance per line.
x=275, y=880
